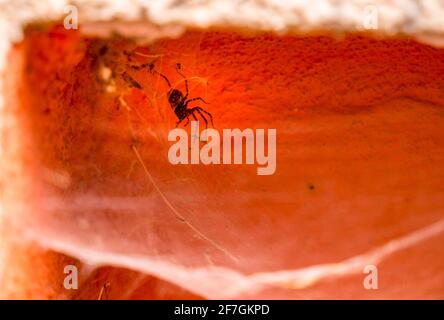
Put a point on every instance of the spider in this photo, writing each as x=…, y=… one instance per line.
x=179, y=102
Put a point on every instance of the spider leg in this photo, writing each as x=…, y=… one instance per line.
x=191, y=112
x=198, y=98
x=164, y=77
x=187, y=118
x=150, y=67
x=180, y=121
x=199, y=109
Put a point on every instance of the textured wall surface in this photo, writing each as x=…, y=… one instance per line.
x=359, y=179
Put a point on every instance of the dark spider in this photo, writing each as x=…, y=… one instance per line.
x=179, y=102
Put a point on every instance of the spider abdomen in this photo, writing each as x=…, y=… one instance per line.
x=180, y=111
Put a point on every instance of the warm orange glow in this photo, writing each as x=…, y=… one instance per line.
x=360, y=161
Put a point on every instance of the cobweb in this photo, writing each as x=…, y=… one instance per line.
x=220, y=232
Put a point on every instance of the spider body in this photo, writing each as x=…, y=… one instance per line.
x=177, y=100
x=175, y=96
x=179, y=103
